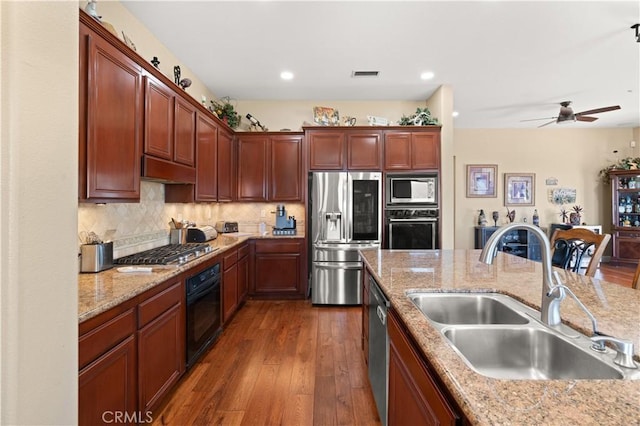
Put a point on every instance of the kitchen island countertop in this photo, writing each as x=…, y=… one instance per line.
x=99, y=292
x=490, y=401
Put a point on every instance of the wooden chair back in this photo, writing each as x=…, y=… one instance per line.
x=574, y=243
x=636, y=279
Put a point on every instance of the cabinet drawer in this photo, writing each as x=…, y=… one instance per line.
x=229, y=259
x=629, y=235
x=274, y=246
x=243, y=251
x=156, y=305
x=102, y=338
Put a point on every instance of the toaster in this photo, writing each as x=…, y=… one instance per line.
x=226, y=226
x=201, y=234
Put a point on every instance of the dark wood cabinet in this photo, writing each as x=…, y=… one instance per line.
x=225, y=165
x=518, y=242
x=185, y=133
x=206, y=188
x=277, y=270
x=110, y=122
x=414, y=394
x=365, y=315
x=243, y=272
x=229, y=285
x=270, y=167
x=108, y=371
x=344, y=148
x=412, y=150
x=161, y=344
x=625, y=213
x=159, y=108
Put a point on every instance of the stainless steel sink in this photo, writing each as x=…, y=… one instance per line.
x=526, y=353
x=499, y=337
x=467, y=308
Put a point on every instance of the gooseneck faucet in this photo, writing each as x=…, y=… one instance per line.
x=550, y=306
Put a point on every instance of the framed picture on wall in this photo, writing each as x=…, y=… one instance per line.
x=481, y=180
x=519, y=189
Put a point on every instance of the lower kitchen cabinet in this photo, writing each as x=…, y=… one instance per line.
x=131, y=355
x=243, y=273
x=229, y=285
x=278, y=268
x=107, y=378
x=161, y=344
x=414, y=395
x=365, y=315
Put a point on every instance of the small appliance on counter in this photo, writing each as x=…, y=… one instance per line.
x=201, y=234
x=96, y=257
x=284, y=225
x=224, y=226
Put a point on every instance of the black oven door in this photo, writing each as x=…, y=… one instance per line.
x=412, y=234
x=203, y=318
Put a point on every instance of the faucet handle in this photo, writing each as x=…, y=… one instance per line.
x=623, y=348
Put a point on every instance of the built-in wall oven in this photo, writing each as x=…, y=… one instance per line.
x=203, y=311
x=412, y=228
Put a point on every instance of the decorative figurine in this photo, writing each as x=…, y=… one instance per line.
x=90, y=8
x=511, y=215
x=184, y=83
x=155, y=61
x=176, y=74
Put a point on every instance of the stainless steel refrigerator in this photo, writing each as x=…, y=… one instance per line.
x=345, y=213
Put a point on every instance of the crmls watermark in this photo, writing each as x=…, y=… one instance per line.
x=127, y=417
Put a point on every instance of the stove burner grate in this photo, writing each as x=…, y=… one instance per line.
x=172, y=253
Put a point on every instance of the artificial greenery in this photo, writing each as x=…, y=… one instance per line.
x=628, y=163
x=224, y=109
x=422, y=117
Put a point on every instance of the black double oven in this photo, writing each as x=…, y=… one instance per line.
x=411, y=211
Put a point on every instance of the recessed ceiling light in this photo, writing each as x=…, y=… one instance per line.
x=286, y=75
x=427, y=75
x=455, y=113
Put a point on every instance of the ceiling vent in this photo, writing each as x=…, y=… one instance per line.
x=365, y=73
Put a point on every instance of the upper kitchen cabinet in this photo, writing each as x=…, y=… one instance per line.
x=170, y=134
x=418, y=149
x=111, y=119
x=206, y=167
x=344, y=148
x=226, y=164
x=270, y=167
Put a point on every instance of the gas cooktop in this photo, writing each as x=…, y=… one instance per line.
x=172, y=254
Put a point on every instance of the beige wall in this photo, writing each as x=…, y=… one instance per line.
x=147, y=45
x=38, y=175
x=573, y=156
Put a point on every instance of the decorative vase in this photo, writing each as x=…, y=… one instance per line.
x=574, y=218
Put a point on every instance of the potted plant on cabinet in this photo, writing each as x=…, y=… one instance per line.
x=225, y=111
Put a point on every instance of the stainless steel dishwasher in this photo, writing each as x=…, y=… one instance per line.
x=378, y=348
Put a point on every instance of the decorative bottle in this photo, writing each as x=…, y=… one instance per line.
x=536, y=218
x=482, y=219
x=622, y=207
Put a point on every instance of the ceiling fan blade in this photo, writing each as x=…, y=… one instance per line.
x=546, y=124
x=585, y=118
x=538, y=119
x=599, y=110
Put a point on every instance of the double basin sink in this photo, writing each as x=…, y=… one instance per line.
x=499, y=337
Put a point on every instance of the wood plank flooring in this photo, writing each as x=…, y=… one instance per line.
x=279, y=363
x=288, y=363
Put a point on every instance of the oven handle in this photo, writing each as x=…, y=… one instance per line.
x=199, y=294
x=338, y=265
x=434, y=219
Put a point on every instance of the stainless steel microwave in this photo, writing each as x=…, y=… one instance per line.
x=412, y=190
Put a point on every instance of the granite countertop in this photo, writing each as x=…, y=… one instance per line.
x=491, y=401
x=102, y=291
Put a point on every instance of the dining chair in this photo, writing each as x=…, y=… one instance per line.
x=569, y=246
x=636, y=278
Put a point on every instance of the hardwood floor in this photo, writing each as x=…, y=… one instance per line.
x=279, y=362
x=622, y=275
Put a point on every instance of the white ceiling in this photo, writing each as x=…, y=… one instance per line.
x=506, y=61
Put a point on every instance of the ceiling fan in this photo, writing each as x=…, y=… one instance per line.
x=566, y=114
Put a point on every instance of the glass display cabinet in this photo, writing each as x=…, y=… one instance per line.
x=625, y=214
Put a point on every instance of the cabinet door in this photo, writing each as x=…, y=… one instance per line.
x=326, y=150
x=285, y=177
x=207, y=148
x=278, y=269
x=626, y=247
x=185, y=133
x=108, y=385
x=158, y=118
x=114, y=118
x=225, y=166
x=252, y=168
x=161, y=356
x=397, y=151
x=365, y=315
x=425, y=151
x=243, y=275
x=414, y=396
x=363, y=151
x=229, y=292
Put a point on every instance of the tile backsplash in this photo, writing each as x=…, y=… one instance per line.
x=135, y=227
